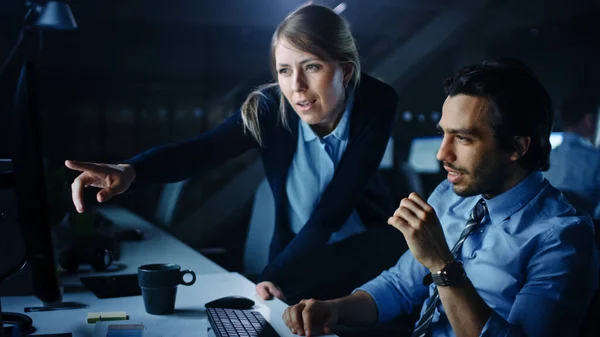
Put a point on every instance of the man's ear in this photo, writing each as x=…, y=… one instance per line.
x=348, y=69
x=521, y=146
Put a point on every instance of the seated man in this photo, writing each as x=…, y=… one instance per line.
x=575, y=163
x=494, y=251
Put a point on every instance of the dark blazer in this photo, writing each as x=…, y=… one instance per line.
x=355, y=184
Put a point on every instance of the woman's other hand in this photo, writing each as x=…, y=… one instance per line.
x=267, y=290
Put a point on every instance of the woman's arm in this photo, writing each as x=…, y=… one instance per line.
x=178, y=161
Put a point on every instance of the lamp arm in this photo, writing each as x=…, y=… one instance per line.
x=32, y=14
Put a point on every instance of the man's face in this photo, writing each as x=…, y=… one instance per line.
x=475, y=163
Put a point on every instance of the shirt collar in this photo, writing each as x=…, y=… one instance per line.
x=341, y=131
x=504, y=205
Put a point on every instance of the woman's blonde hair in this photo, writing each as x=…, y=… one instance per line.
x=313, y=29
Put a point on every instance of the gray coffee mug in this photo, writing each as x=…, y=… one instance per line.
x=159, y=283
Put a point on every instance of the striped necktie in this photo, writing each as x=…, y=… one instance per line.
x=474, y=219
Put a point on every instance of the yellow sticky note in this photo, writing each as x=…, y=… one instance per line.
x=94, y=317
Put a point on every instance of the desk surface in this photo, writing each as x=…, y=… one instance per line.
x=189, y=318
x=158, y=245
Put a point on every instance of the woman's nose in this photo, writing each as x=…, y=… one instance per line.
x=299, y=82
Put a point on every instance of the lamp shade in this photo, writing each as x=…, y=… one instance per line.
x=56, y=15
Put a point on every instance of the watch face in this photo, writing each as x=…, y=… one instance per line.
x=454, y=271
x=451, y=274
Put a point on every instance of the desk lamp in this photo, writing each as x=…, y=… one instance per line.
x=27, y=177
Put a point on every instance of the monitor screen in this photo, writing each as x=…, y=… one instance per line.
x=421, y=156
x=556, y=139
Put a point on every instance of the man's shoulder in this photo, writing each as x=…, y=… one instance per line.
x=550, y=212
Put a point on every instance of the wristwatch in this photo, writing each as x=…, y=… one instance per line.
x=452, y=274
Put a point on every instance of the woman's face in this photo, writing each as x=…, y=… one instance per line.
x=314, y=88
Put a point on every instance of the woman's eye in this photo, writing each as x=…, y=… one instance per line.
x=283, y=71
x=312, y=67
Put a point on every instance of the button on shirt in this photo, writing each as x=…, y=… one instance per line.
x=312, y=168
x=575, y=167
x=533, y=261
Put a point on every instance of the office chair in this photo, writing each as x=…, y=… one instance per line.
x=167, y=203
x=260, y=231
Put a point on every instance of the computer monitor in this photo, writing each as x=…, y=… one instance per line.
x=421, y=156
x=556, y=139
x=29, y=184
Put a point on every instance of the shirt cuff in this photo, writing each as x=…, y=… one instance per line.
x=385, y=303
x=496, y=326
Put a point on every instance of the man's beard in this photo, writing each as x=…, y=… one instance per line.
x=484, y=180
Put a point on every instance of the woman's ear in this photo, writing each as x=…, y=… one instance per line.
x=348, y=69
x=521, y=146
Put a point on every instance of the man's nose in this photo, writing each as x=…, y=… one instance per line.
x=446, y=151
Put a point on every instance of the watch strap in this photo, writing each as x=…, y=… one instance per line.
x=446, y=276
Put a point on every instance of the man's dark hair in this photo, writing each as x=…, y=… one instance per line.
x=519, y=105
x=574, y=108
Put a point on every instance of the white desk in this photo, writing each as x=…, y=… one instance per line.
x=189, y=318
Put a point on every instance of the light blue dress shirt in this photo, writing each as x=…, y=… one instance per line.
x=575, y=167
x=312, y=168
x=532, y=260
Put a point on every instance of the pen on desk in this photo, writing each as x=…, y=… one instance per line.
x=57, y=306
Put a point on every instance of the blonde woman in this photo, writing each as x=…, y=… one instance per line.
x=322, y=128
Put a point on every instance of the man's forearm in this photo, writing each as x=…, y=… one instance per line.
x=358, y=309
x=466, y=310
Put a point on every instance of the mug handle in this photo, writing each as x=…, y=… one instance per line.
x=188, y=271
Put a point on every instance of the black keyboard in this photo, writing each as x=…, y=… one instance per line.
x=242, y=323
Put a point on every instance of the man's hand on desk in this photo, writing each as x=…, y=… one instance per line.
x=311, y=317
x=267, y=290
x=112, y=179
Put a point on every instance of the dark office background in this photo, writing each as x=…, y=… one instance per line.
x=141, y=73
